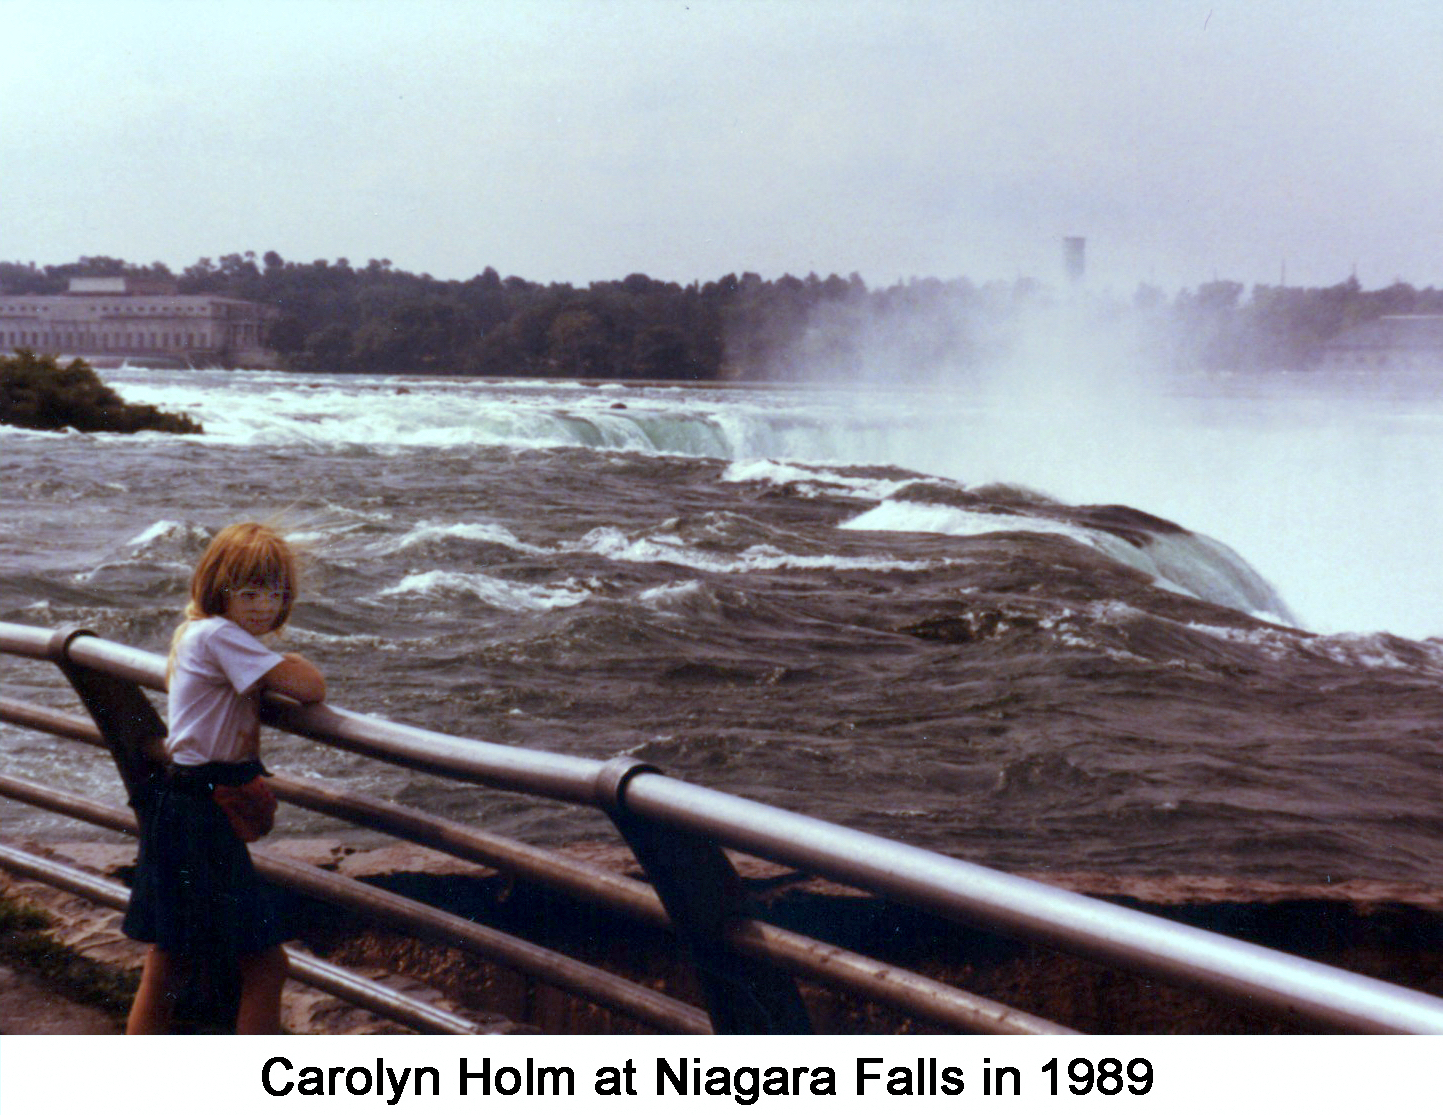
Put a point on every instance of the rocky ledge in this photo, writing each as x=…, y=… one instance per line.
x=1386, y=930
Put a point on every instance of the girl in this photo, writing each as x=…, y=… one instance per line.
x=197, y=899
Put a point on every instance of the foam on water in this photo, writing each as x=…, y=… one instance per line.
x=669, y=549
x=668, y=596
x=810, y=480
x=384, y=414
x=165, y=529
x=928, y=518
x=425, y=532
x=499, y=593
x=1371, y=651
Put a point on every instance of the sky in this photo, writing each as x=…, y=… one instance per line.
x=1261, y=141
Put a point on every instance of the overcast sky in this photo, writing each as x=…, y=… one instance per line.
x=690, y=138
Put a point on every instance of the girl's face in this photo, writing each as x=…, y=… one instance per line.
x=254, y=608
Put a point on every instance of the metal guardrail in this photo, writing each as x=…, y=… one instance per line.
x=678, y=832
x=913, y=994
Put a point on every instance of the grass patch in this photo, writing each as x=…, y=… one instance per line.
x=25, y=944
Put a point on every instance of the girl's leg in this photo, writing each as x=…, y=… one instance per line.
x=150, y=1013
x=263, y=974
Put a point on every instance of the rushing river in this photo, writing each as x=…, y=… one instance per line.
x=959, y=617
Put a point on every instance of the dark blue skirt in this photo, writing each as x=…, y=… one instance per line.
x=195, y=890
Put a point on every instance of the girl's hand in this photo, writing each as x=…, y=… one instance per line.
x=296, y=678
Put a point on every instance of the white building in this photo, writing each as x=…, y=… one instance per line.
x=1393, y=342
x=107, y=319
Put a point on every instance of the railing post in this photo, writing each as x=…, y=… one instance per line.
x=703, y=895
x=127, y=721
x=205, y=988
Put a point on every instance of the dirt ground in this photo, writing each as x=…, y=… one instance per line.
x=29, y=1005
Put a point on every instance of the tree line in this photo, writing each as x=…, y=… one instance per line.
x=334, y=317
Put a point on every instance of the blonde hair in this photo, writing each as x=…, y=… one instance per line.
x=240, y=555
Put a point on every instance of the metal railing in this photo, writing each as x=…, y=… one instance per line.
x=746, y=968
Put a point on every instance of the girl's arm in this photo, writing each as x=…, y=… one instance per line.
x=296, y=678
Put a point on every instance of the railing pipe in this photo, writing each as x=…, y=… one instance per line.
x=421, y=1016
x=1257, y=976
x=559, y=777
x=25, y=642
x=86, y=649
x=52, y=721
x=115, y=659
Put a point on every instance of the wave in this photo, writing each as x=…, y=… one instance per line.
x=425, y=534
x=670, y=549
x=814, y=481
x=1175, y=559
x=506, y=595
x=168, y=538
x=1365, y=652
x=672, y=596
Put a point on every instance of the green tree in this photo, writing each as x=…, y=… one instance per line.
x=578, y=343
x=36, y=392
x=661, y=352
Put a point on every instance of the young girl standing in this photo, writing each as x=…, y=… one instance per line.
x=197, y=898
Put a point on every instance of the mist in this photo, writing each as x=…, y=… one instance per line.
x=1323, y=483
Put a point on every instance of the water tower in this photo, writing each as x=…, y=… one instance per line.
x=1074, y=257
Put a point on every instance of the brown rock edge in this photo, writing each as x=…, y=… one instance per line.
x=1392, y=931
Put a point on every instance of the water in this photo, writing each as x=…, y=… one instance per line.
x=917, y=612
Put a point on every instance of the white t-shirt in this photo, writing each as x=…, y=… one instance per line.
x=214, y=705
